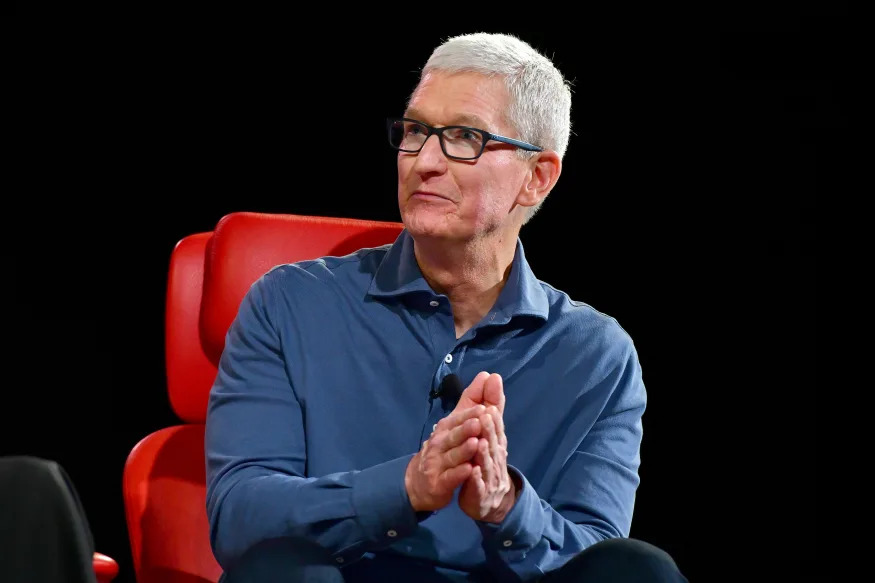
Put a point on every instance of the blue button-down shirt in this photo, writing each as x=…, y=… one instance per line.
x=322, y=398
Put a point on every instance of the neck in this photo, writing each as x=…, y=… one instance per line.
x=470, y=273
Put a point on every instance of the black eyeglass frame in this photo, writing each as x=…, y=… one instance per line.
x=487, y=136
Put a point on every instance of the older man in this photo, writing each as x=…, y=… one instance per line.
x=338, y=444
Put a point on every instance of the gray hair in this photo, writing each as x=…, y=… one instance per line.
x=540, y=97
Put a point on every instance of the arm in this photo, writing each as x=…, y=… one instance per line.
x=594, y=497
x=257, y=486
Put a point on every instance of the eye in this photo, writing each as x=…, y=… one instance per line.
x=469, y=135
x=461, y=134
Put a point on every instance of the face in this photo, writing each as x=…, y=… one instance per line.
x=455, y=199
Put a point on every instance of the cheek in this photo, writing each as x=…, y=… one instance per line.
x=403, y=171
x=495, y=193
x=405, y=167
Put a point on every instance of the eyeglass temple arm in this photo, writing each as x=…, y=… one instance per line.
x=517, y=143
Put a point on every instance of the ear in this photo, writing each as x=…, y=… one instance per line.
x=544, y=170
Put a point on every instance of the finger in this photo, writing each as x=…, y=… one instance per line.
x=474, y=487
x=478, y=459
x=476, y=474
x=499, y=426
x=470, y=488
x=494, y=447
x=484, y=460
x=493, y=391
x=452, y=477
x=447, y=440
x=460, y=454
x=473, y=394
x=459, y=416
x=479, y=483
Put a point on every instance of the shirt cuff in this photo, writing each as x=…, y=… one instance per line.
x=521, y=529
x=381, y=503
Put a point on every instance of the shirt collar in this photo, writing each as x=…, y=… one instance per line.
x=399, y=274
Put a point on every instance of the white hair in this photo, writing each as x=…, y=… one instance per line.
x=540, y=97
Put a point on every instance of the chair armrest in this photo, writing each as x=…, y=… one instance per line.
x=105, y=568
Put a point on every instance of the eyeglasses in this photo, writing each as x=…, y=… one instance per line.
x=457, y=142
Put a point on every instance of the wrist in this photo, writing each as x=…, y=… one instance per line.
x=510, y=499
x=506, y=505
x=408, y=486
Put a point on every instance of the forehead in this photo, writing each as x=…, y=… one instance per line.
x=460, y=99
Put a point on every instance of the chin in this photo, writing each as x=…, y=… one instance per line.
x=423, y=223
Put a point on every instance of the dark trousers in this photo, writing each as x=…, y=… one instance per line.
x=610, y=561
x=44, y=535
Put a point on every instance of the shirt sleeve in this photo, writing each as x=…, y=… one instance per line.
x=256, y=459
x=594, y=498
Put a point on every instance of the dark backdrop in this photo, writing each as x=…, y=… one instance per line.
x=686, y=209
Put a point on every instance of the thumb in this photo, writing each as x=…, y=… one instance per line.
x=473, y=395
x=493, y=392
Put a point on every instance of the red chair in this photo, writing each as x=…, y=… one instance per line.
x=105, y=568
x=164, y=477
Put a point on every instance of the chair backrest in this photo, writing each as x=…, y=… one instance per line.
x=164, y=477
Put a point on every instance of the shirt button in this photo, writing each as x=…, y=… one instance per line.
x=448, y=358
x=339, y=559
x=434, y=303
x=392, y=533
x=507, y=543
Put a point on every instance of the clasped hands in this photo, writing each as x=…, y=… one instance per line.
x=467, y=448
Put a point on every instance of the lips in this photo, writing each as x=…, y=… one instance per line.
x=423, y=195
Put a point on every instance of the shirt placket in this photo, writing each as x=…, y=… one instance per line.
x=448, y=358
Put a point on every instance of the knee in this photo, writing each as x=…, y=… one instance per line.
x=632, y=553
x=622, y=560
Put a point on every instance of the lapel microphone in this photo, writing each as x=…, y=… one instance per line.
x=450, y=388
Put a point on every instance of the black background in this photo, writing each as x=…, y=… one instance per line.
x=687, y=209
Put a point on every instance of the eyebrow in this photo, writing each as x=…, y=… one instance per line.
x=467, y=119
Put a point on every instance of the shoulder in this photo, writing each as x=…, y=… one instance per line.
x=352, y=271
x=598, y=349
x=586, y=326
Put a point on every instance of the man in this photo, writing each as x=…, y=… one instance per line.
x=337, y=447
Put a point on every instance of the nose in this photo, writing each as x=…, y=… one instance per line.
x=430, y=158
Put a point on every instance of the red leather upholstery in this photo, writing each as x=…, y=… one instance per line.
x=105, y=568
x=190, y=372
x=249, y=245
x=165, y=507
x=164, y=477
